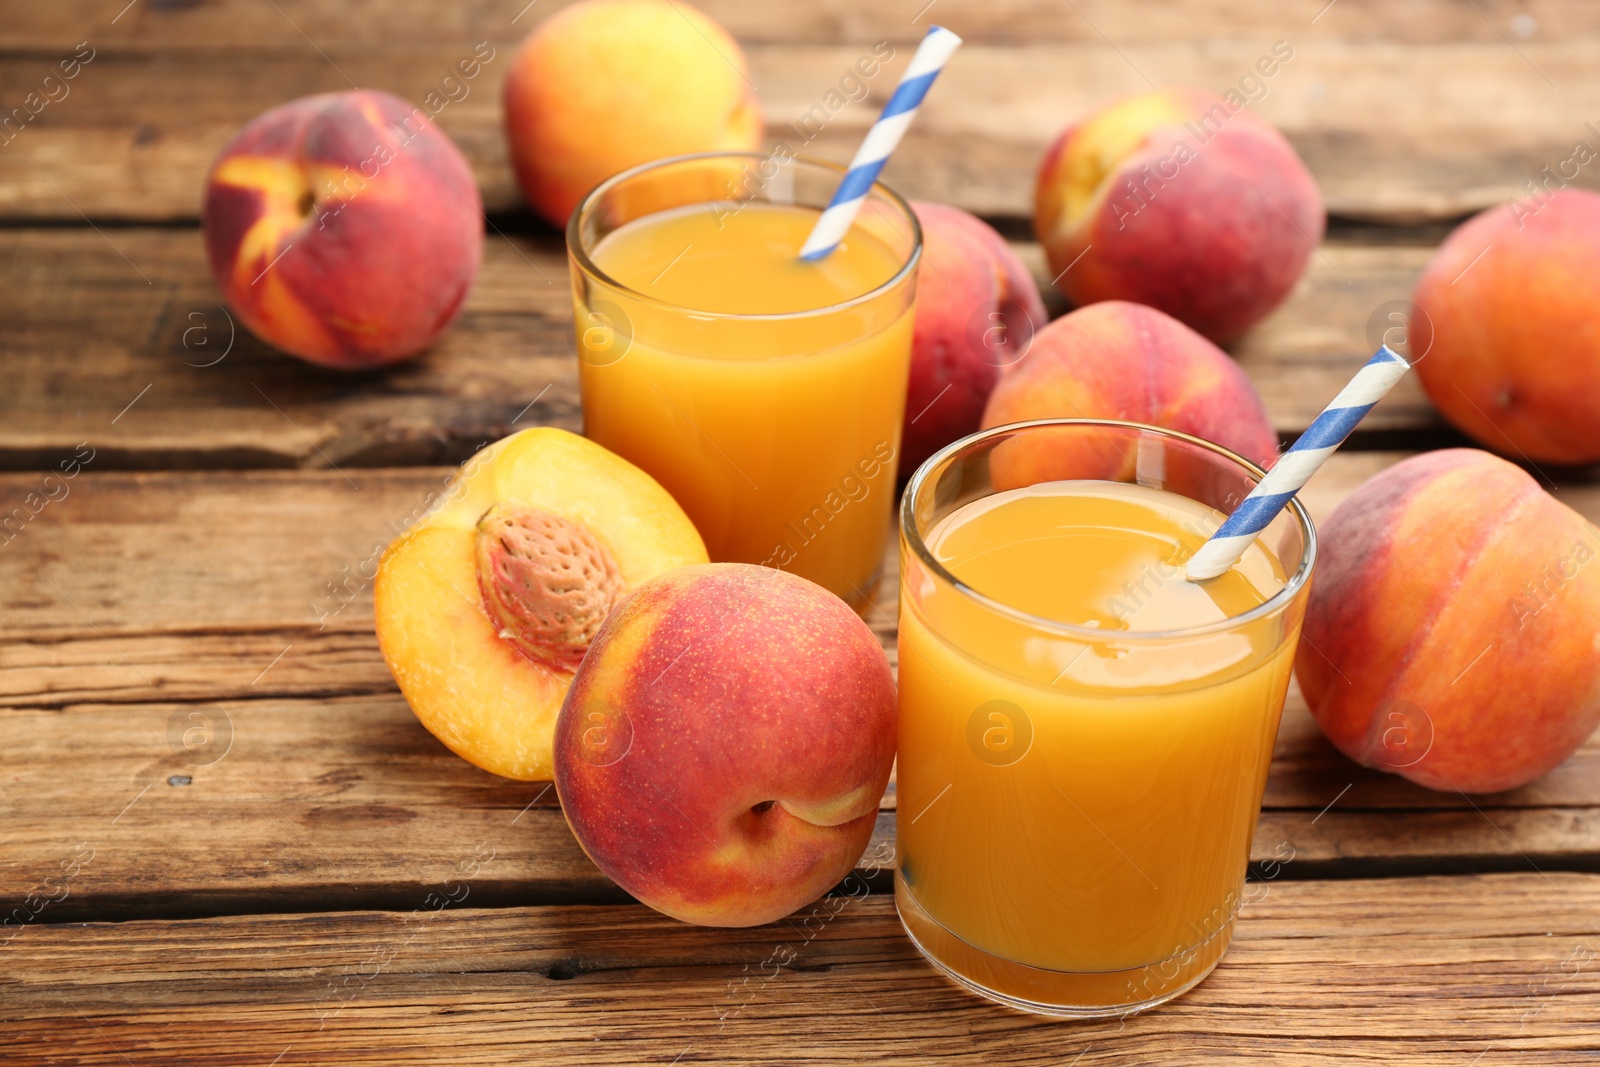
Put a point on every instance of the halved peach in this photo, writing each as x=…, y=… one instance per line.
x=486, y=606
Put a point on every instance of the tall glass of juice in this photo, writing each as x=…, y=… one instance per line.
x=1084, y=734
x=763, y=392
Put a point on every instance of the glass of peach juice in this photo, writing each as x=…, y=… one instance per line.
x=1084, y=734
x=763, y=392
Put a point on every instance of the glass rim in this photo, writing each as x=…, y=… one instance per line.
x=1271, y=606
x=580, y=254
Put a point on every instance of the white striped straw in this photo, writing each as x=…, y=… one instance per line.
x=1296, y=466
x=931, y=56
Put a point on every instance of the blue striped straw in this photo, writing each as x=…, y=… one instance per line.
x=1296, y=466
x=931, y=56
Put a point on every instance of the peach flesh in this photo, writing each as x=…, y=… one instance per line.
x=484, y=607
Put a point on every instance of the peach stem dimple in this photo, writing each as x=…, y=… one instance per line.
x=845, y=808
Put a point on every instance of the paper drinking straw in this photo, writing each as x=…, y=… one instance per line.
x=931, y=56
x=1296, y=466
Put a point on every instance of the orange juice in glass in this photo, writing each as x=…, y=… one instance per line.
x=763, y=392
x=1084, y=734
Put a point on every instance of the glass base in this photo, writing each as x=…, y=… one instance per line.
x=1067, y=994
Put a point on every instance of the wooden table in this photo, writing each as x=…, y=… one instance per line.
x=234, y=843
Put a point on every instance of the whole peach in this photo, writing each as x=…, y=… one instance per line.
x=977, y=311
x=604, y=85
x=343, y=228
x=1115, y=360
x=1513, y=299
x=725, y=743
x=1450, y=636
x=1178, y=199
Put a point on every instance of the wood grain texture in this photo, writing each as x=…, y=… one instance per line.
x=199, y=737
x=1407, y=971
x=1393, y=131
x=189, y=684
x=118, y=339
x=248, y=806
x=393, y=24
x=121, y=340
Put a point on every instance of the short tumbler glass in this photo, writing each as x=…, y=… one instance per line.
x=779, y=434
x=1076, y=806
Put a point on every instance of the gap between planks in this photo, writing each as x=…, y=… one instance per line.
x=1437, y=971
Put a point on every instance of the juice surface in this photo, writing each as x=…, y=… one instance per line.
x=743, y=262
x=1100, y=554
x=778, y=436
x=1084, y=804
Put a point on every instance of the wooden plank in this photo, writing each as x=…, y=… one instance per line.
x=117, y=339
x=270, y=805
x=1394, y=132
x=1405, y=971
x=279, y=802
x=133, y=318
x=393, y=24
x=138, y=601
x=125, y=557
